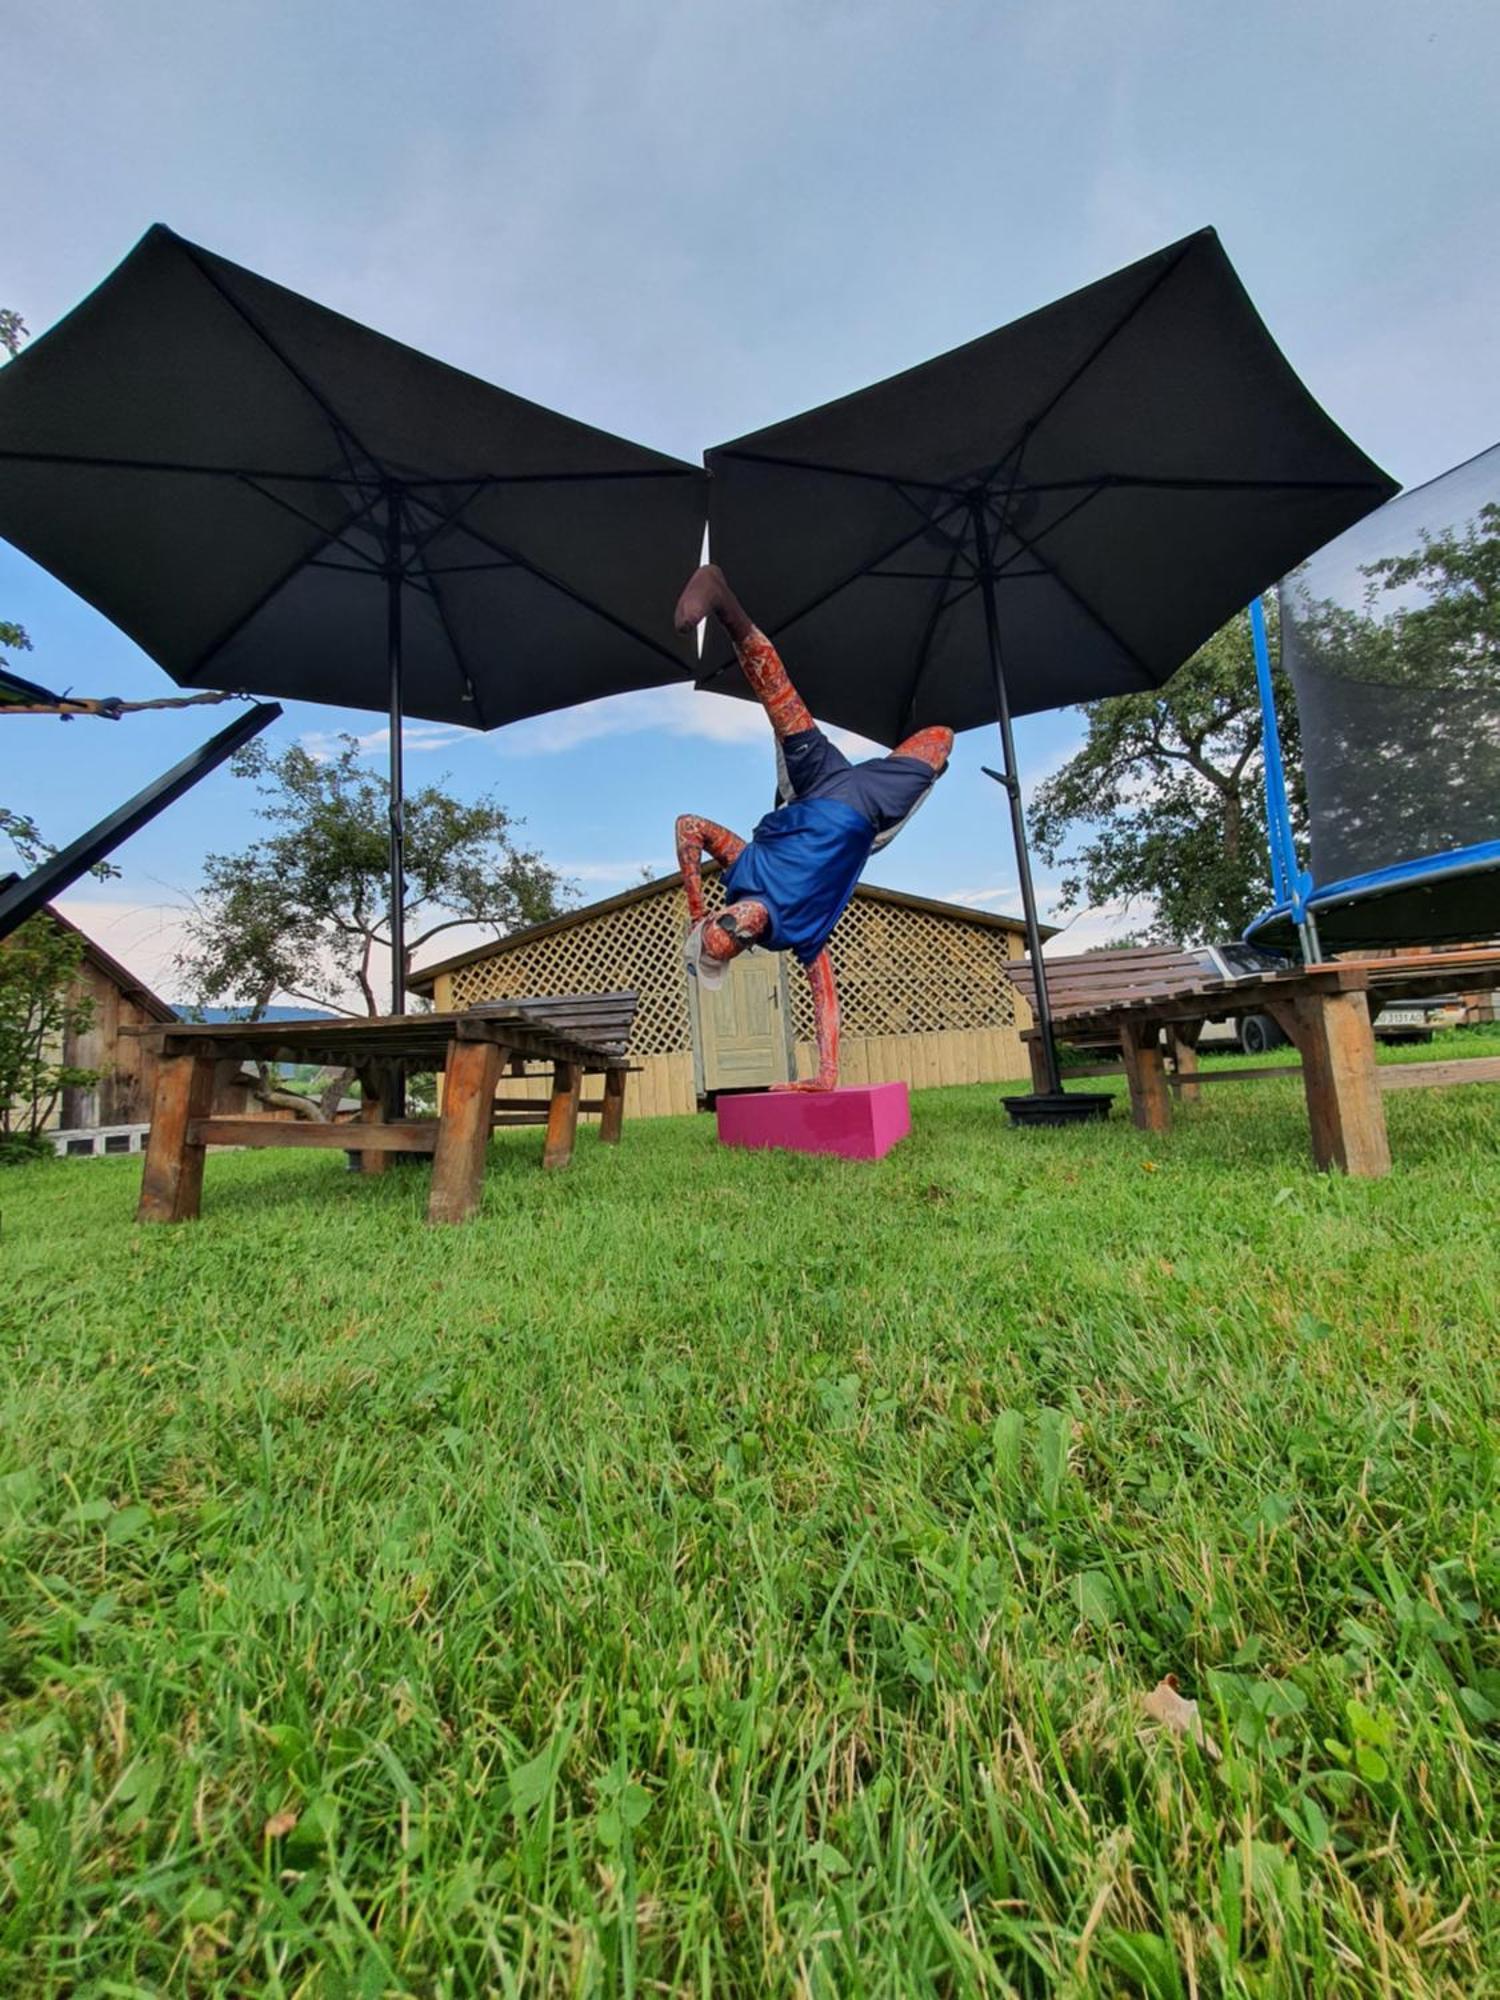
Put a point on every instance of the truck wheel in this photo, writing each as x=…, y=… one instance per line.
x=1259, y=1034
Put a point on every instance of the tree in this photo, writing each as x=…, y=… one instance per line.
x=1164, y=802
x=303, y=911
x=1401, y=694
x=39, y=1012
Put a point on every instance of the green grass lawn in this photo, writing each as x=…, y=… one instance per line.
x=714, y=1573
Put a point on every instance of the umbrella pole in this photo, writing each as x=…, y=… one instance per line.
x=398, y=832
x=395, y=1090
x=1012, y=785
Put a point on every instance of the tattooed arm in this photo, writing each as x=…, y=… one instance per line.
x=825, y=999
x=696, y=837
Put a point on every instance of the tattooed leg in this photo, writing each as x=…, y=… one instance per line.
x=761, y=665
x=825, y=998
x=929, y=746
x=696, y=837
x=708, y=594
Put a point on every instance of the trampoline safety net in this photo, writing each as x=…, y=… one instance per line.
x=1391, y=635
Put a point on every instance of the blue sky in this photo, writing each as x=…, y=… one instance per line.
x=685, y=219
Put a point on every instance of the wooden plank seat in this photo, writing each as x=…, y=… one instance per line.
x=1143, y=1000
x=470, y=1050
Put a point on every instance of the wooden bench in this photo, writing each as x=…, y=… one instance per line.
x=470, y=1050
x=1081, y=984
x=1324, y=1011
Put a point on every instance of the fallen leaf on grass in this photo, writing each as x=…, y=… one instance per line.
x=1175, y=1712
x=279, y=1825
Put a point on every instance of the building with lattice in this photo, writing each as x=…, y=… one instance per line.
x=923, y=988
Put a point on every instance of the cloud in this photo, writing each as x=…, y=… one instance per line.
x=612, y=871
x=1087, y=929
x=416, y=737
x=145, y=937
x=1008, y=896
x=664, y=711
x=669, y=711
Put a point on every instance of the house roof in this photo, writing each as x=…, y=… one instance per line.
x=421, y=981
x=117, y=974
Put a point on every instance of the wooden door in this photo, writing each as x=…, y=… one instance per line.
x=741, y=1037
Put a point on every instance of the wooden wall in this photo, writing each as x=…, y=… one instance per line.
x=127, y=1066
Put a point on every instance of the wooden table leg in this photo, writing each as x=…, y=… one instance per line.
x=562, y=1116
x=1344, y=1109
x=371, y=1112
x=1041, y=1083
x=613, y=1115
x=1150, y=1101
x=172, y=1178
x=469, y=1079
x=1185, y=1058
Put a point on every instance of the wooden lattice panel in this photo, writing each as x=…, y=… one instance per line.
x=901, y=971
x=638, y=946
x=905, y=971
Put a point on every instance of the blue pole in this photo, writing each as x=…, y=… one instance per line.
x=1289, y=884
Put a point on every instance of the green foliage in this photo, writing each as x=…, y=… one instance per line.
x=740, y=1574
x=1164, y=802
x=13, y=330
x=38, y=964
x=19, y=829
x=1448, y=641
x=303, y=910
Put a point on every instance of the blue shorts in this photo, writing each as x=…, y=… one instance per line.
x=884, y=789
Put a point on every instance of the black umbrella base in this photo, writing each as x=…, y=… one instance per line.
x=1062, y=1107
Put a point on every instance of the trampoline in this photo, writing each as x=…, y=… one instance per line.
x=1391, y=636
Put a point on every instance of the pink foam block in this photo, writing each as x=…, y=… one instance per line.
x=862, y=1122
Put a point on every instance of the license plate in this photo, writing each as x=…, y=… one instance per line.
x=1402, y=1017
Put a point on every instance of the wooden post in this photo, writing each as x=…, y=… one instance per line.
x=1344, y=1108
x=1041, y=1083
x=469, y=1077
x=613, y=1116
x=1150, y=1101
x=562, y=1116
x=371, y=1112
x=172, y=1178
x=1185, y=1058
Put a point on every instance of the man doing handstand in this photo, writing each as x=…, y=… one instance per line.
x=788, y=885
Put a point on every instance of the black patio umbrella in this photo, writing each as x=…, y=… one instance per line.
x=1061, y=510
x=266, y=495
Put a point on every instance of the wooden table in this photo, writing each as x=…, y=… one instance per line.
x=1324, y=1010
x=470, y=1050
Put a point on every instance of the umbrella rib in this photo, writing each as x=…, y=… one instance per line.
x=939, y=605
x=1034, y=423
x=556, y=583
x=1083, y=604
x=1154, y=483
x=1003, y=569
x=277, y=583
x=440, y=521
x=342, y=431
x=311, y=520
x=854, y=575
x=468, y=569
x=96, y=463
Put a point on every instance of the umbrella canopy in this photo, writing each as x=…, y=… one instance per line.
x=228, y=471
x=266, y=495
x=1129, y=465
x=1059, y=511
